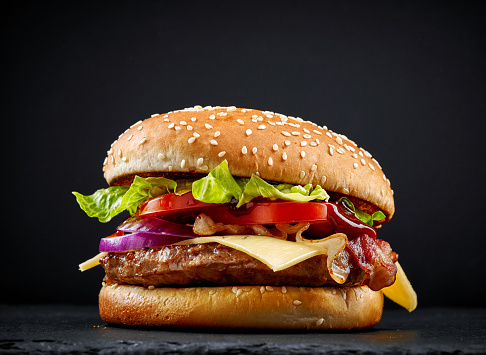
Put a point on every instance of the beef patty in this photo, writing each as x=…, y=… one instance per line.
x=214, y=264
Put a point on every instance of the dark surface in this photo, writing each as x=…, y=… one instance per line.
x=60, y=328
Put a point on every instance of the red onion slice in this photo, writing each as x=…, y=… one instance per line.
x=136, y=241
x=156, y=226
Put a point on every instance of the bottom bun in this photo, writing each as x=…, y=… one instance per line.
x=264, y=307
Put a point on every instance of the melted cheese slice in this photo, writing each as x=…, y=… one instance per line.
x=402, y=292
x=94, y=261
x=280, y=254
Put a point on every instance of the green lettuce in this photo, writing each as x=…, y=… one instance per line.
x=105, y=204
x=221, y=187
x=361, y=215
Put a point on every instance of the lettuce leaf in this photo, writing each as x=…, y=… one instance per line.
x=257, y=187
x=221, y=187
x=105, y=204
x=361, y=215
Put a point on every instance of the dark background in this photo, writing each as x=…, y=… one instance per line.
x=405, y=80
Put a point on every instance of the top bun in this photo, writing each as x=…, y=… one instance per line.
x=274, y=146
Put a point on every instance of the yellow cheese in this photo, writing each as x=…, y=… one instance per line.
x=402, y=292
x=94, y=261
x=279, y=254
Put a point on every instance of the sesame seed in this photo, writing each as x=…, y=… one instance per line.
x=197, y=135
x=248, y=132
x=234, y=289
x=303, y=143
x=154, y=114
x=384, y=177
x=361, y=153
x=213, y=142
x=329, y=134
x=189, y=127
x=339, y=140
x=244, y=150
x=224, y=113
x=262, y=126
x=302, y=174
x=284, y=289
x=191, y=140
x=105, y=161
x=363, y=162
x=284, y=156
x=269, y=288
x=177, y=128
x=295, y=133
x=287, y=134
x=269, y=115
x=239, y=292
x=323, y=180
x=331, y=151
x=142, y=141
x=166, y=119
x=275, y=147
x=254, y=150
x=367, y=154
x=221, y=154
x=313, y=144
x=183, y=163
x=161, y=156
x=217, y=134
x=130, y=137
x=231, y=108
x=287, y=142
x=170, y=167
x=212, y=117
x=314, y=167
x=371, y=166
x=136, y=123
x=183, y=123
x=139, y=127
x=376, y=162
x=297, y=302
x=262, y=290
x=193, y=119
x=320, y=321
x=200, y=161
x=346, y=190
x=240, y=121
x=208, y=126
x=270, y=161
x=306, y=130
x=340, y=150
x=272, y=123
x=119, y=153
x=151, y=287
x=212, y=292
x=171, y=125
x=316, y=131
x=307, y=136
x=302, y=154
x=124, y=159
x=355, y=156
x=355, y=165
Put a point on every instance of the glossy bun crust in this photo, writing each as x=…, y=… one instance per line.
x=274, y=146
x=243, y=307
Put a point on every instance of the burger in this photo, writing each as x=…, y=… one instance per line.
x=242, y=218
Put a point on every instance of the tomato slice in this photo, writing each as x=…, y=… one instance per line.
x=267, y=212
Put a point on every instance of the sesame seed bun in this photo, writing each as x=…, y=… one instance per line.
x=276, y=147
x=243, y=307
